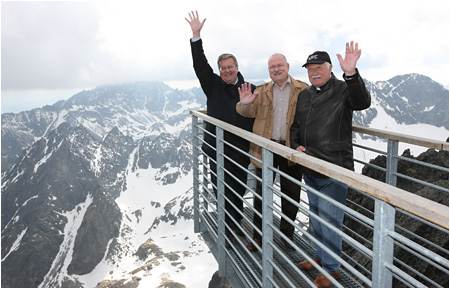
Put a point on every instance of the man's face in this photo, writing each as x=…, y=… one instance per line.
x=319, y=74
x=278, y=69
x=228, y=70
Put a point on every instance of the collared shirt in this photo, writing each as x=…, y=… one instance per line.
x=280, y=109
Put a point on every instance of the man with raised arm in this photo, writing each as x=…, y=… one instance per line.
x=273, y=107
x=322, y=128
x=221, y=97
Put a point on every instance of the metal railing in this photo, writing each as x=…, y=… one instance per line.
x=381, y=246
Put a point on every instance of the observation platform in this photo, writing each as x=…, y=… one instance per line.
x=242, y=277
x=397, y=239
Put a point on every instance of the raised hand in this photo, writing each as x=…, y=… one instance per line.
x=245, y=94
x=196, y=24
x=352, y=54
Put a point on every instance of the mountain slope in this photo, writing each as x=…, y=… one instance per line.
x=149, y=108
x=51, y=179
x=410, y=99
x=65, y=192
x=137, y=110
x=98, y=187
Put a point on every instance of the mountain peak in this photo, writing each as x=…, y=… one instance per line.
x=89, y=181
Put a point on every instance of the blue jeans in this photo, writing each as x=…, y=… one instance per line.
x=331, y=214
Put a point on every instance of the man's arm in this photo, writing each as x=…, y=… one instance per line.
x=203, y=70
x=294, y=138
x=359, y=97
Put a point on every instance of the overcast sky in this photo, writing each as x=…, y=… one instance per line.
x=51, y=50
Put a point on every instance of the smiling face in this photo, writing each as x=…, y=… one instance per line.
x=319, y=74
x=228, y=70
x=278, y=69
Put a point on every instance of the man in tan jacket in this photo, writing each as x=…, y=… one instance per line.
x=273, y=106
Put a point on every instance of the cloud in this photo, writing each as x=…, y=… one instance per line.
x=83, y=44
x=47, y=44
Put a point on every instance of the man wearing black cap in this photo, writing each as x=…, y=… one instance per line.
x=322, y=128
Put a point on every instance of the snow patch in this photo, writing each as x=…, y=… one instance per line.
x=58, y=270
x=16, y=244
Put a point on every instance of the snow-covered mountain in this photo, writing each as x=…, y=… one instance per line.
x=411, y=104
x=86, y=202
x=138, y=110
x=98, y=188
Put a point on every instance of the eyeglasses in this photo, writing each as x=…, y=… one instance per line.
x=227, y=67
x=279, y=66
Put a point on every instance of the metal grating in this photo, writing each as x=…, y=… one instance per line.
x=240, y=255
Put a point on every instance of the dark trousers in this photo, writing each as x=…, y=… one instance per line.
x=287, y=187
x=241, y=175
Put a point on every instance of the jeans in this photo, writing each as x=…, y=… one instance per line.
x=287, y=187
x=329, y=213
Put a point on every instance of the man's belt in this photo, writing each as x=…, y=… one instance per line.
x=279, y=141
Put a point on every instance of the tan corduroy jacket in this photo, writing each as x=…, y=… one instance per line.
x=262, y=110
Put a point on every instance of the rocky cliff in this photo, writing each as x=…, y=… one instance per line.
x=407, y=225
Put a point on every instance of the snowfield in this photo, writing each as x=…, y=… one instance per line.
x=186, y=259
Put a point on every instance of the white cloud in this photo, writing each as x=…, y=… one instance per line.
x=83, y=44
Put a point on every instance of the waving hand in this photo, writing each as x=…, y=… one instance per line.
x=196, y=24
x=352, y=54
x=245, y=94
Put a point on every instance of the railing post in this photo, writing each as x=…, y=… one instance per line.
x=383, y=244
x=391, y=162
x=267, y=219
x=195, y=173
x=205, y=182
x=220, y=201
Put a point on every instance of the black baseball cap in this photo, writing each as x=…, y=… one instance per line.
x=318, y=57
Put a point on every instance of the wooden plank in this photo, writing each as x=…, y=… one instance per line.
x=429, y=143
x=417, y=205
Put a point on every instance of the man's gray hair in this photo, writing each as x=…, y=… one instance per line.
x=226, y=56
x=276, y=54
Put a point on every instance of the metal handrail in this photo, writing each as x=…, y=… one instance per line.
x=388, y=200
x=419, y=206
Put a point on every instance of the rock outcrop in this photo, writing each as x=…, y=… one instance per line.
x=408, y=226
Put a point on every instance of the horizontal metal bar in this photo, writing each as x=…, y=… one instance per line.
x=424, y=251
x=370, y=165
x=421, y=182
x=422, y=163
x=369, y=149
